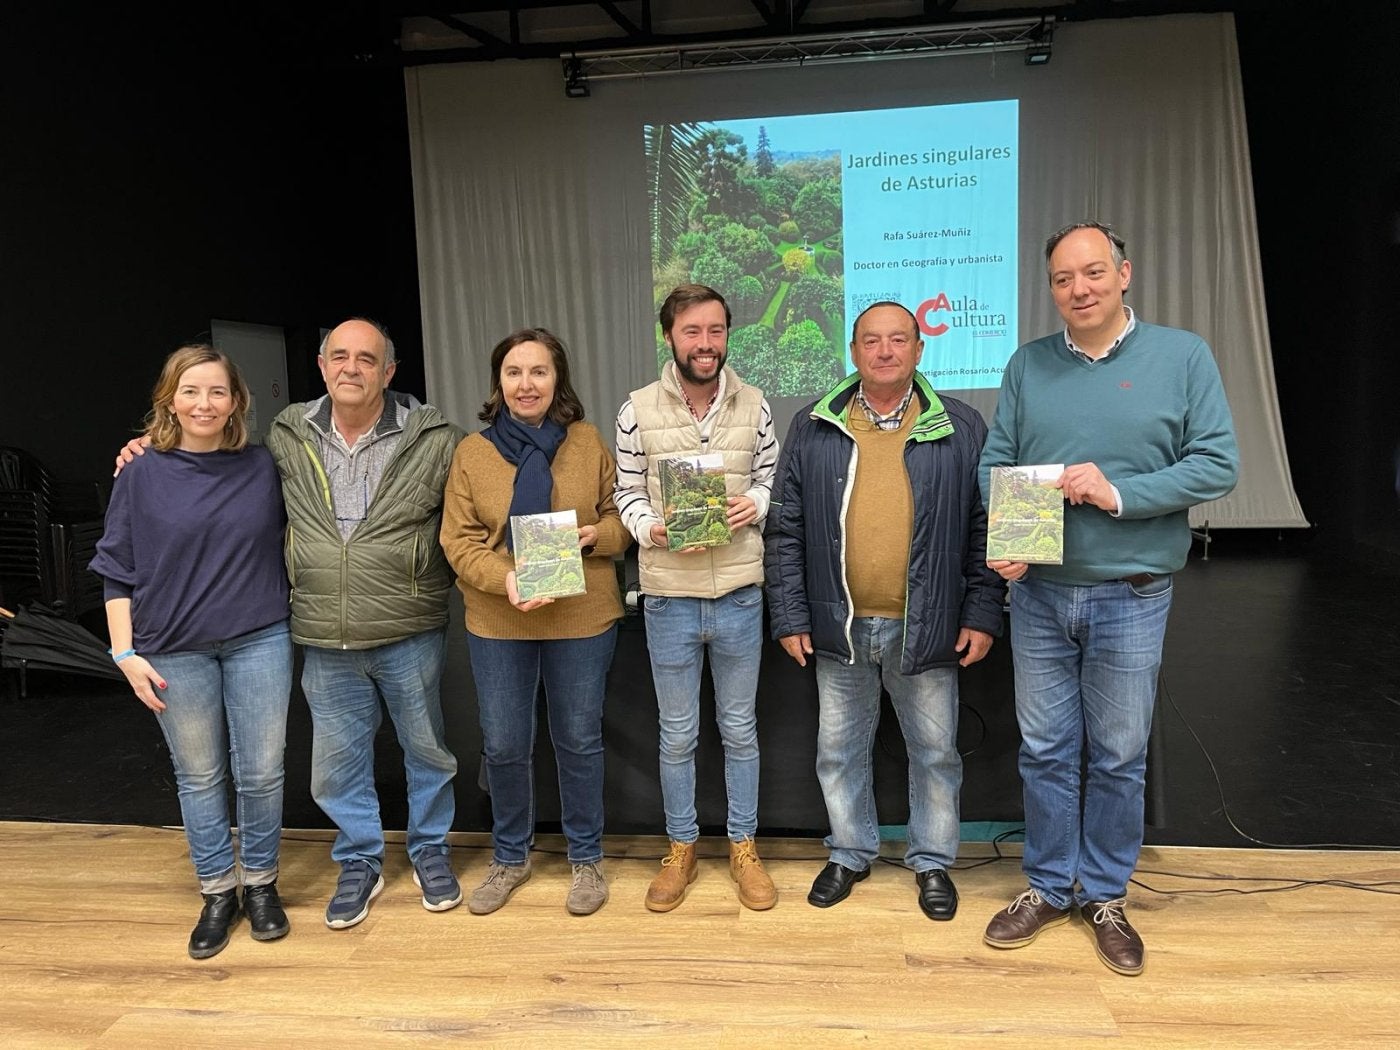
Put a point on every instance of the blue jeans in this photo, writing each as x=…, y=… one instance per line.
x=678, y=632
x=226, y=709
x=927, y=707
x=1086, y=661
x=575, y=675
x=343, y=688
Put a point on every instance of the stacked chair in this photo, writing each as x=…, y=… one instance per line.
x=48, y=534
x=26, y=546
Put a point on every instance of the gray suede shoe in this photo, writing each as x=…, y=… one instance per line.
x=589, y=890
x=501, y=881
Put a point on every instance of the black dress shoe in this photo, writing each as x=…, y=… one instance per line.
x=211, y=932
x=834, y=884
x=937, y=896
x=265, y=915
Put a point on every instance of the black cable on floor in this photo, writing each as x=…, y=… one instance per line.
x=1287, y=884
x=1224, y=804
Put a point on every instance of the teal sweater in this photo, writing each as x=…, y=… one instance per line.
x=1153, y=417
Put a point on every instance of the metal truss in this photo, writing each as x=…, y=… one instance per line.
x=1019, y=34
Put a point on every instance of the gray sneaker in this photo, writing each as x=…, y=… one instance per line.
x=358, y=884
x=432, y=873
x=501, y=881
x=589, y=890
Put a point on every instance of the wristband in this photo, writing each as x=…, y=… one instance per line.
x=119, y=657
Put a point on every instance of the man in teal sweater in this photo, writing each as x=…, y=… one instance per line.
x=1137, y=414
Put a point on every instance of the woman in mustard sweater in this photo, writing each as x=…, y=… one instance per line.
x=536, y=455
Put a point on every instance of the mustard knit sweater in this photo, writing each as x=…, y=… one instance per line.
x=879, y=520
x=476, y=517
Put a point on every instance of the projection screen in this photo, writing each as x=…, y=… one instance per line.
x=536, y=209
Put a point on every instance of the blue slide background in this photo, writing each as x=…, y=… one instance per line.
x=938, y=237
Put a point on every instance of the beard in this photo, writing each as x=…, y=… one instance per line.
x=691, y=376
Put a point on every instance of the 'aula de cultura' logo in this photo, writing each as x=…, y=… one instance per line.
x=958, y=312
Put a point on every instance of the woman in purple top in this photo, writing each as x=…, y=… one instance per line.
x=197, y=612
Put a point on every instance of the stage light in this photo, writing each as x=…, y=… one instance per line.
x=575, y=83
x=1040, y=40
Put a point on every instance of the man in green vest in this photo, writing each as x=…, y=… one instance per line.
x=363, y=471
x=705, y=597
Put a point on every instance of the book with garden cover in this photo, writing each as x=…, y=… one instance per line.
x=1026, y=515
x=548, y=562
x=694, y=501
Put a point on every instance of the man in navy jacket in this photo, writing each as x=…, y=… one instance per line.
x=875, y=565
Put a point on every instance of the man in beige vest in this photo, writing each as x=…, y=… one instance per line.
x=707, y=597
x=876, y=565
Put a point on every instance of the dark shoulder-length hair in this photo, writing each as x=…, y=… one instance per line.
x=163, y=428
x=566, y=408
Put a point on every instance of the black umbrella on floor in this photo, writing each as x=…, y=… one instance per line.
x=36, y=637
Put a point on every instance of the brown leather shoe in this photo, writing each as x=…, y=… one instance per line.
x=756, y=889
x=677, y=872
x=1117, y=943
x=1021, y=921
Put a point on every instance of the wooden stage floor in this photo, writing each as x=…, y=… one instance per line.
x=94, y=919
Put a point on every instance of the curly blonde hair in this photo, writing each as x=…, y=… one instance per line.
x=163, y=428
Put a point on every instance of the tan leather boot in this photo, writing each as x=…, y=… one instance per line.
x=756, y=889
x=677, y=872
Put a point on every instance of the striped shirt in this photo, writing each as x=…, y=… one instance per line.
x=634, y=504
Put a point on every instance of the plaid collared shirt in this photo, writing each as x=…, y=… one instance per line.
x=354, y=473
x=895, y=419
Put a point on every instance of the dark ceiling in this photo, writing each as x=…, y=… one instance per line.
x=487, y=30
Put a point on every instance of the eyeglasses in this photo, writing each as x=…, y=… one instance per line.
x=346, y=495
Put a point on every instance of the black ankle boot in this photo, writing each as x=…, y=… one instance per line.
x=211, y=932
x=265, y=915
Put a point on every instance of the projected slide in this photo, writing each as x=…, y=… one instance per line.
x=803, y=221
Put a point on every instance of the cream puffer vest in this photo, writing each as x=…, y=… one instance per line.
x=666, y=428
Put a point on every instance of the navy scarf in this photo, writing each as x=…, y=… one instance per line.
x=532, y=451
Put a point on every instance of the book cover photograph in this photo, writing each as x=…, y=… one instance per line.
x=548, y=562
x=1026, y=515
x=694, y=501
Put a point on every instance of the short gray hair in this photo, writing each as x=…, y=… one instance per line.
x=383, y=334
x=1117, y=246
x=855, y=325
